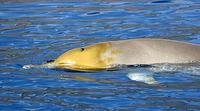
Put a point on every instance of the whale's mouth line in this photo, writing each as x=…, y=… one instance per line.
x=76, y=67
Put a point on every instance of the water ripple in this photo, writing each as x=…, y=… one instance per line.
x=35, y=31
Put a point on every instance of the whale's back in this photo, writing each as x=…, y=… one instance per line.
x=152, y=51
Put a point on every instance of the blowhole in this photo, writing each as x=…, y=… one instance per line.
x=82, y=49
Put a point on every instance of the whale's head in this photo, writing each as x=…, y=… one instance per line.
x=89, y=58
x=94, y=57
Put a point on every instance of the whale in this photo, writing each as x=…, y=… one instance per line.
x=112, y=54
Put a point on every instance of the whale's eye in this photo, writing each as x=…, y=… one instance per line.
x=82, y=49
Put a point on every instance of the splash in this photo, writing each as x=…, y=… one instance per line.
x=145, y=75
x=189, y=68
x=142, y=77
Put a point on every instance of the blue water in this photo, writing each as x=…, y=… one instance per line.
x=35, y=31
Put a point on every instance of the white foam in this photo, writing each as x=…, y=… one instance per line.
x=142, y=77
x=184, y=68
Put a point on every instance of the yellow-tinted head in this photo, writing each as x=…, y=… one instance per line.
x=92, y=57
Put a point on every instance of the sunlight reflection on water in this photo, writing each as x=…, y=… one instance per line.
x=32, y=32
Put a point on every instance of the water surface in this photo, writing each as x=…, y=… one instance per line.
x=35, y=31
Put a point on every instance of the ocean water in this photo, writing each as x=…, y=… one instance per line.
x=35, y=31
